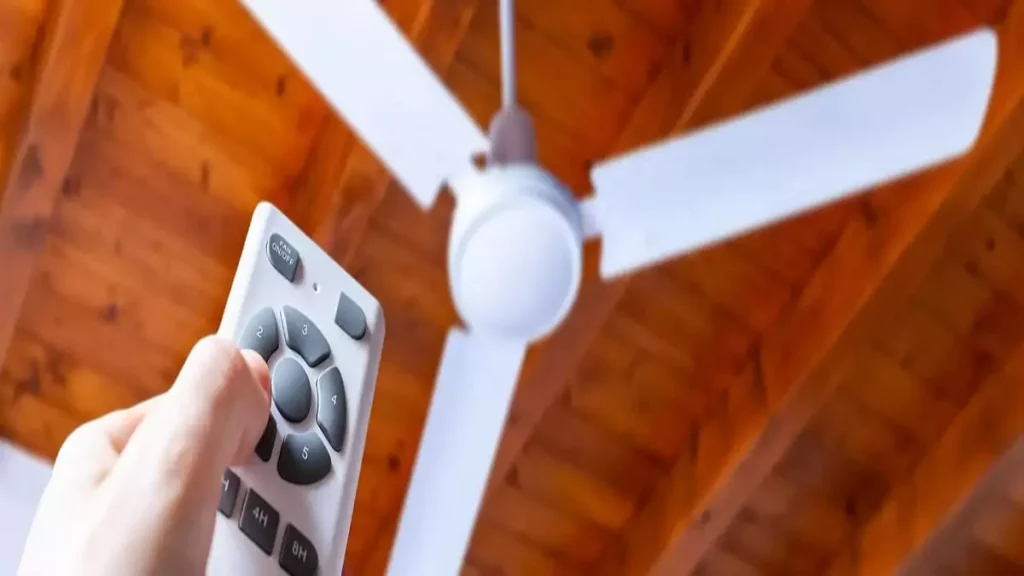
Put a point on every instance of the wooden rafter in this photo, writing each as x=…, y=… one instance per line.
x=969, y=470
x=879, y=258
x=74, y=48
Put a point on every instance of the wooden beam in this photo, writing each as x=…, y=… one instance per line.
x=881, y=256
x=343, y=183
x=74, y=47
x=967, y=473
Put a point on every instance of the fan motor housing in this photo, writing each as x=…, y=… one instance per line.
x=515, y=253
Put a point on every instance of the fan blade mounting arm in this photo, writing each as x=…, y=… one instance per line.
x=474, y=388
x=871, y=128
x=376, y=81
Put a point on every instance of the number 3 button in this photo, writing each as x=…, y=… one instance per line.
x=304, y=459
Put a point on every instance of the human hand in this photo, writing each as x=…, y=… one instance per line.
x=136, y=491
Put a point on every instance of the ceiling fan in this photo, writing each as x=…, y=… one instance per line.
x=515, y=251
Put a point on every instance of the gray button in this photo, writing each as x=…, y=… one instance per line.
x=290, y=388
x=259, y=521
x=304, y=337
x=260, y=335
x=332, y=408
x=283, y=256
x=350, y=317
x=298, y=556
x=265, y=447
x=228, y=493
x=304, y=459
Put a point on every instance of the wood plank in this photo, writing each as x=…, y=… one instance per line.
x=67, y=383
x=606, y=37
x=888, y=391
x=970, y=468
x=765, y=543
x=567, y=488
x=803, y=358
x=20, y=22
x=242, y=109
x=563, y=535
x=74, y=46
x=498, y=551
x=587, y=106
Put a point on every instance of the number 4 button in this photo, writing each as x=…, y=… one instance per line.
x=331, y=410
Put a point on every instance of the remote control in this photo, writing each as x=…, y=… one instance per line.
x=288, y=510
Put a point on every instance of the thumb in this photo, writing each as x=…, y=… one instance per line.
x=211, y=417
x=167, y=479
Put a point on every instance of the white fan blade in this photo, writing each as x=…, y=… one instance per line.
x=871, y=128
x=376, y=81
x=474, y=388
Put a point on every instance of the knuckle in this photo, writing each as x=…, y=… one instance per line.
x=224, y=366
x=79, y=441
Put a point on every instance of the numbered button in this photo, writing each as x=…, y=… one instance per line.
x=260, y=335
x=290, y=388
x=259, y=521
x=331, y=408
x=304, y=337
x=304, y=459
x=298, y=557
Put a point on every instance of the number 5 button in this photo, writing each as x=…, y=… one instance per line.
x=331, y=408
x=304, y=459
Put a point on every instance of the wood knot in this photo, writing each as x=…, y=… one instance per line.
x=206, y=36
x=110, y=313
x=31, y=168
x=601, y=45
x=71, y=187
x=30, y=234
x=394, y=462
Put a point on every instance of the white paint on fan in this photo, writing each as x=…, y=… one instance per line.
x=23, y=478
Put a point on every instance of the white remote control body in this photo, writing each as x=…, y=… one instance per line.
x=288, y=510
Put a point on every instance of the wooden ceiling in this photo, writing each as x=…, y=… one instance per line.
x=839, y=394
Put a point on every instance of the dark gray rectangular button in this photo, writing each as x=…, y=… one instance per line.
x=259, y=521
x=298, y=556
x=228, y=493
x=265, y=447
x=283, y=256
x=350, y=317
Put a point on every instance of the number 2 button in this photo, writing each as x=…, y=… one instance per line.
x=260, y=335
